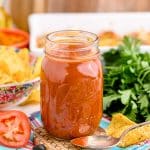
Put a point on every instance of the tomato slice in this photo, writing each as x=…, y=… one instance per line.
x=14, y=129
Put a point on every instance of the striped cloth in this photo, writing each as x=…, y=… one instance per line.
x=35, y=119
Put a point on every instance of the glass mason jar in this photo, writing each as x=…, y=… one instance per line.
x=71, y=84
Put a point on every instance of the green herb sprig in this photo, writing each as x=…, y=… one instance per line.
x=127, y=81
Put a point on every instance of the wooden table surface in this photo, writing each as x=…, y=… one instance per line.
x=20, y=9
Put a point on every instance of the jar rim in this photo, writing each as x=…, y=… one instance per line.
x=75, y=38
x=52, y=34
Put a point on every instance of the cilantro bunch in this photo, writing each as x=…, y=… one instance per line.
x=127, y=81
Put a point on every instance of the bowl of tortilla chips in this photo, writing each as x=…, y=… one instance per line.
x=19, y=75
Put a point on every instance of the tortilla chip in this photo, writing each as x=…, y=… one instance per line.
x=24, y=55
x=16, y=66
x=33, y=98
x=37, y=68
x=136, y=136
x=4, y=78
x=120, y=123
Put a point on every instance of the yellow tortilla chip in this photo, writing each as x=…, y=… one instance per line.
x=4, y=78
x=4, y=67
x=136, y=136
x=120, y=123
x=37, y=68
x=33, y=98
x=16, y=66
x=24, y=55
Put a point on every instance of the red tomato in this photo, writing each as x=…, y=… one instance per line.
x=14, y=129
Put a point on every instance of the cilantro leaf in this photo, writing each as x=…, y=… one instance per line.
x=127, y=81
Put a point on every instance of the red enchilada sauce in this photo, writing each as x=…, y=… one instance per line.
x=71, y=84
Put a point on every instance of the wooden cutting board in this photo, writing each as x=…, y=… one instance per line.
x=42, y=137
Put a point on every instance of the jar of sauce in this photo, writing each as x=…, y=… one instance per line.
x=71, y=84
